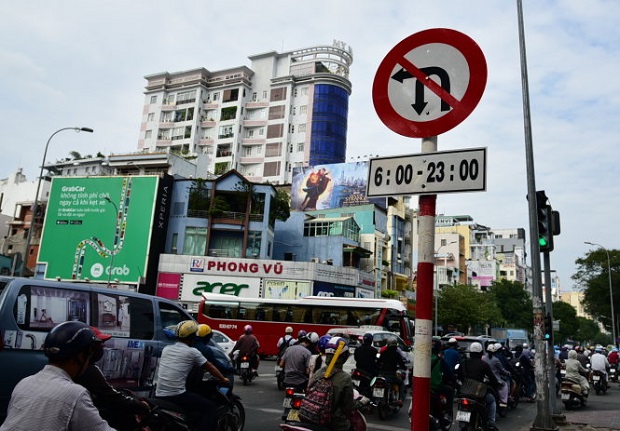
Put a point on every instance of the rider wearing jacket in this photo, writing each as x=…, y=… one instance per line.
x=476, y=369
x=501, y=374
x=575, y=371
x=390, y=361
x=248, y=346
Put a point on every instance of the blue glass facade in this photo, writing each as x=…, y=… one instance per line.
x=329, y=125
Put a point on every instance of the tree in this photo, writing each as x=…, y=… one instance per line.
x=592, y=278
x=588, y=329
x=280, y=206
x=464, y=306
x=514, y=304
x=569, y=325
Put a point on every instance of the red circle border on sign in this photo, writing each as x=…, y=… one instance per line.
x=423, y=129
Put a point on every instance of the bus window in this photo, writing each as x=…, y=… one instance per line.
x=352, y=319
x=279, y=313
x=308, y=316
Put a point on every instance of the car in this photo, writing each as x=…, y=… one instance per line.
x=379, y=339
x=223, y=341
x=465, y=341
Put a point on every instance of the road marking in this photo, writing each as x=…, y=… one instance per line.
x=265, y=410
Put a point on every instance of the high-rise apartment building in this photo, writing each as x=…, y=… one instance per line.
x=287, y=109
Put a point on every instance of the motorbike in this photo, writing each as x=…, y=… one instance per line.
x=385, y=396
x=441, y=415
x=517, y=390
x=599, y=382
x=361, y=381
x=292, y=401
x=246, y=372
x=571, y=394
x=168, y=416
x=279, y=376
x=613, y=373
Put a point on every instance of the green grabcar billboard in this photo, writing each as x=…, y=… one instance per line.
x=95, y=223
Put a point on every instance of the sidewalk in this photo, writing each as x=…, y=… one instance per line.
x=589, y=420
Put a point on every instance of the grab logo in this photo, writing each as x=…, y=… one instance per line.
x=96, y=270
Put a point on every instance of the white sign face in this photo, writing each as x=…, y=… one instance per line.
x=428, y=173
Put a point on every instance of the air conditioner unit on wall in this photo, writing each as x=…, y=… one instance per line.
x=314, y=259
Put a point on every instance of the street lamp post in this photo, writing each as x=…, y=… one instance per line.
x=113, y=248
x=611, y=293
x=437, y=284
x=35, y=204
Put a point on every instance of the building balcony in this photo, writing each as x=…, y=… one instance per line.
x=166, y=125
x=210, y=105
x=254, y=123
x=207, y=123
x=250, y=160
x=223, y=153
x=252, y=141
x=168, y=108
x=257, y=104
x=163, y=143
x=206, y=141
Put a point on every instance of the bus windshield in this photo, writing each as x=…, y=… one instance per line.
x=270, y=317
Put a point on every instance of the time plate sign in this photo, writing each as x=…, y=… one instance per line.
x=428, y=173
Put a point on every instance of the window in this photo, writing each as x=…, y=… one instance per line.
x=226, y=132
x=278, y=94
x=302, y=128
x=181, y=133
x=170, y=315
x=271, y=169
x=229, y=113
x=186, y=97
x=153, y=100
x=148, y=134
x=254, y=97
x=275, y=131
x=230, y=95
x=249, y=133
x=303, y=110
x=125, y=316
x=150, y=117
x=276, y=112
x=183, y=115
x=195, y=240
x=216, y=96
x=273, y=150
x=300, y=147
x=264, y=94
x=304, y=91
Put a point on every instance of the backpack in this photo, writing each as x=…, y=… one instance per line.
x=317, y=405
x=284, y=346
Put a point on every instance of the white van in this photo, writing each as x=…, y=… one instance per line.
x=29, y=308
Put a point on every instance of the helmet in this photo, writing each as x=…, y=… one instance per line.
x=313, y=337
x=452, y=341
x=436, y=346
x=525, y=345
x=598, y=350
x=368, y=338
x=100, y=335
x=302, y=334
x=391, y=341
x=518, y=348
x=475, y=347
x=288, y=330
x=203, y=330
x=247, y=329
x=333, y=344
x=498, y=347
x=323, y=342
x=186, y=329
x=68, y=339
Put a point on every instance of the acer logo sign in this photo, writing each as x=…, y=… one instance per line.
x=325, y=294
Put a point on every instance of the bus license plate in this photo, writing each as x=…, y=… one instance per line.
x=378, y=392
x=293, y=416
x=286, y=403
x=565, y=396
x=245, y=365
x=463, y=416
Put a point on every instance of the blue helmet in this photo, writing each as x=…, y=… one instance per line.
x=368, y=338
x=333, y=343
x=323, y=342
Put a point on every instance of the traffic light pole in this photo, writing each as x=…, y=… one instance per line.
x=543, y=420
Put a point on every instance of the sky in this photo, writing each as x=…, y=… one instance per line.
x=82, y=63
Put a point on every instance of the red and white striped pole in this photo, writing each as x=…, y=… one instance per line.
x=424, y=304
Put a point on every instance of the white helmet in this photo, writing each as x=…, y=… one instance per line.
x=475, y=347
x=498, y=346
x=452, y=341
x=313, y=337
x=492, y=348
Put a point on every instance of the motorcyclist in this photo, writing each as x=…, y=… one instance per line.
x=295, y=364
x=213, y=352
x=247, y=345
x=563, y=353
x=50, y=399
x=501, y=373
x=583, y=359
x=528, y=372
x=313, y=339
x=475, y=368
x=575, y=371
x=600, y=363
x=442, y=376
x=342, y=404
x=451, y=355
x=285, y=341
x=316, y=361
x=117, y=408
x=389, y=362
x=177, y=361
x=613, y=357
x=366, y=362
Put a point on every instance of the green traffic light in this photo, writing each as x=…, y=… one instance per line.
x=542, y=242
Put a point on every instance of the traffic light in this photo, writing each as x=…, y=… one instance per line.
x=544, y=215
x=548, y=328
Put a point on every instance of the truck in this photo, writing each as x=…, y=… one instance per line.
x=510, y=337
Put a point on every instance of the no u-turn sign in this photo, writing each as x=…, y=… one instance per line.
x=429, y=83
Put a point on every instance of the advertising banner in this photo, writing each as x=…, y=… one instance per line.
x=330, y=186
x=330, y=289
x=287, y=289
x=168, y=285
x=95, y=225
x=194, y=285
